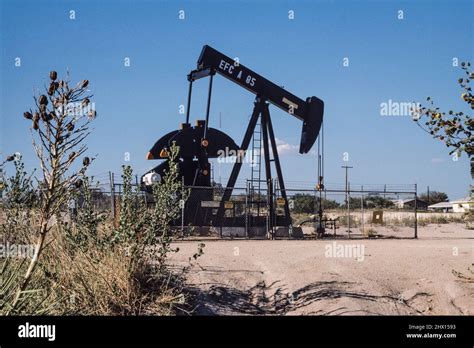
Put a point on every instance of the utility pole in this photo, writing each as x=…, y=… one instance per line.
x=362, y=206
x=347, y=198
x=428, y=195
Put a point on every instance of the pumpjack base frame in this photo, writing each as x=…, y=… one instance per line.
x=261, y=111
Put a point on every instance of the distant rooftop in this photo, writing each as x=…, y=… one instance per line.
x=442, y=205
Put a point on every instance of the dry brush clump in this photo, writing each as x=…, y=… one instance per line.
x=59, y=127
x=18, y=204
x=19, y=218
x=122, y=270
x=82, y=264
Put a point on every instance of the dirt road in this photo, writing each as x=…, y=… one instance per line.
x=335, y=277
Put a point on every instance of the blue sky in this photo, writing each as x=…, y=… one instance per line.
x=389, y=59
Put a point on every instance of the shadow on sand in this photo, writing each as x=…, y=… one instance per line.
x=275, y=299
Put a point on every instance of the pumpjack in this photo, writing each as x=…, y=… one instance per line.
x=197, y=144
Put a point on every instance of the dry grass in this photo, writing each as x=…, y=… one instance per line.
x=109, y=281
x=393, y=218
x=92, y=280
x=370, y=233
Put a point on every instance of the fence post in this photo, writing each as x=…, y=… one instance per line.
x=362, y=207
x=247, y=191
x=181, y=203
x=416, y=211
x=112, y=194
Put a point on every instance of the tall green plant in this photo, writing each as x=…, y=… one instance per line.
x=83, y=230
x=169, y=196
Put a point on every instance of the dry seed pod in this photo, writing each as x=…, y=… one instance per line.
x=84, y=83
x=65, y=99
x=28, y=115
x=71, y=155
x=36, y=117
x=78, y=183
x=86, y=161
x=35, y=125
x=10, y=158
x=53, y=75
x=70, y=127
x=43, y=100
x=92, y=114
x=52, y=88
x=85, y=102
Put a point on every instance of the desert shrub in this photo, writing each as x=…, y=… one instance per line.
x=88, y=270
x=169, y=195
x=469, y=219
x=102, y=281
x=439, y=219
x=18, y=205
x=82, y=229
x=122, y=270
x=306, y=203
x=407, y=221
x=344, y=221
x=18, y=219
x=86, y=265
x=370, y=232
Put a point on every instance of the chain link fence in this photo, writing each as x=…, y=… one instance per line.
x=358, y=211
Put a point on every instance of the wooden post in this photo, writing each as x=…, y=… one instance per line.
x=362, y=207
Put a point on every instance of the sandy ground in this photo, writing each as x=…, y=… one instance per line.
x=294, y=277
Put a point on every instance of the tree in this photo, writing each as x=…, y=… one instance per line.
x=306, y=203
x=434, y=197
x=377, y=202
x=329, y=204
x=455, y=129
x=355, y=203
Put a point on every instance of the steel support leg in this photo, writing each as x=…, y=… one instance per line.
x=268, y=170
x=277, y=164
x=257, y=109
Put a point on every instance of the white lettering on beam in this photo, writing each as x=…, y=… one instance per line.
x=290, y=103
x=226, y=66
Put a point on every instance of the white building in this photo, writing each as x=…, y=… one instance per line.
x=410, y=203
x=458, y=206
x=463, y=205
x=446, y=207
